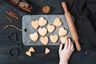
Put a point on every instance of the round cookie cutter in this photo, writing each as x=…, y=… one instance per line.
x=14, y=51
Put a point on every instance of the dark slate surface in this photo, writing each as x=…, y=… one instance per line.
x=86, y=56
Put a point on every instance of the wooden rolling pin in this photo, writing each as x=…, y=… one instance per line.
x=71, y=26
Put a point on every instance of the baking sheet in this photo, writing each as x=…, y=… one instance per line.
x=26, y=24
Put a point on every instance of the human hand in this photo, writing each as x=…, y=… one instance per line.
x=66, y=52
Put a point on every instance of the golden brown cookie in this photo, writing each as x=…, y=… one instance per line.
x=34, y=37
x=30, y=51
x=62, y=31
x=44, y=40
x=63, y=39
x=35, y=24
x=42, y=21
x=47, y=50
x=53, y=38
x=42, y=31
x=57, y=22
x=50, y=28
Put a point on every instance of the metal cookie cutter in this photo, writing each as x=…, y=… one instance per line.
x=13, y=36
x=14, y=51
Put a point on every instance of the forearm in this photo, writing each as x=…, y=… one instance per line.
x=63, y=62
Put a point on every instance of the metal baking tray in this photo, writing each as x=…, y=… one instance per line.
x=27, y=28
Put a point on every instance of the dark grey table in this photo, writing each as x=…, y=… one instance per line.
x=14, y=45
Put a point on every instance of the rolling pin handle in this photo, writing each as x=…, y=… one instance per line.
x=77, y=45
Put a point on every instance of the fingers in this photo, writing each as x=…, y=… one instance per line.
x=60, y=47
x=72, y=48
x=70, y=44
x=65, y=7
x=66, y=43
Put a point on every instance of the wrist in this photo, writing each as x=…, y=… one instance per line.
x=63, y=62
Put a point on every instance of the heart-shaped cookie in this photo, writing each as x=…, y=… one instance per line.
x=50, y=28
x=42, y=21
x=42, y=31
x=57, y=22
x=34, y=36
x=35, y=24
x=44, y=40
x=53, y=38
x=62, y=31
x=47, y=50
x=63, y=39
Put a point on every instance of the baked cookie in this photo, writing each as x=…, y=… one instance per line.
x=35, y=24
x=63, y=39
x=30, y=51
x=42, y=31
x=47, y=50
x=44, y=40
x=57, y=22
x=34, y=37
x=50, y=28
x=62, y=31
x=53, y=38
x=42, y=21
